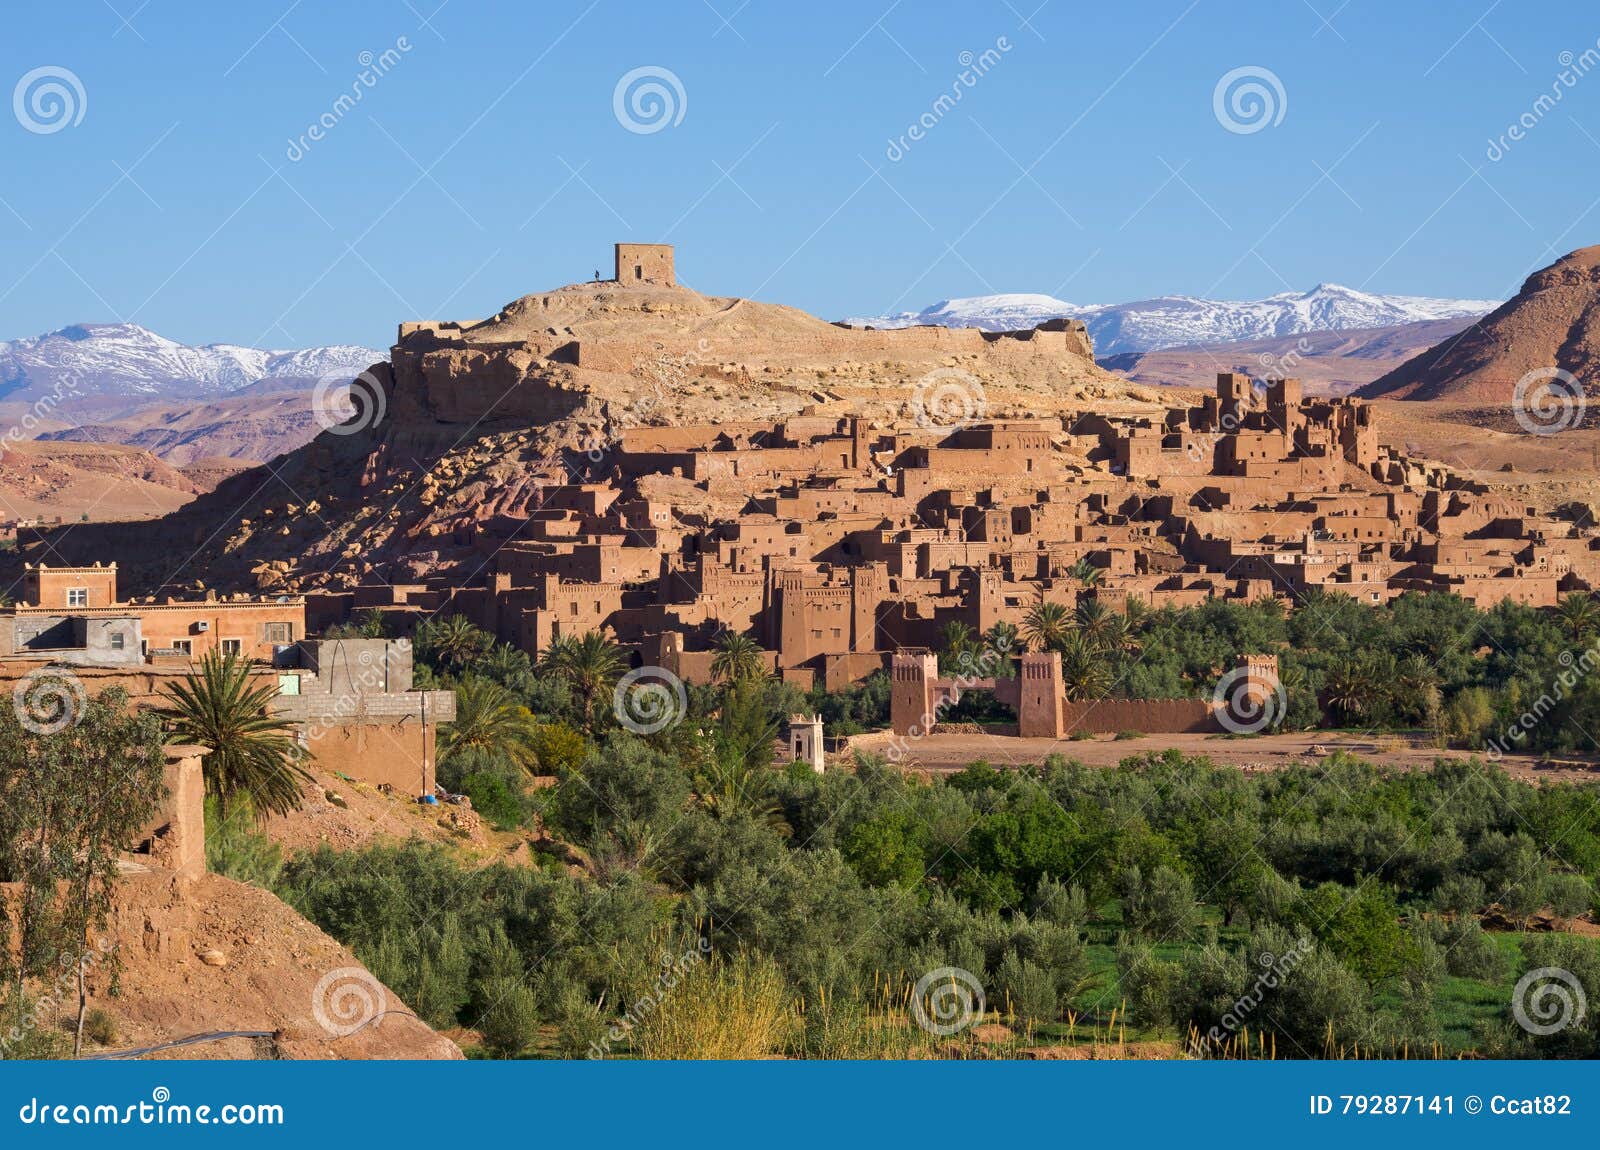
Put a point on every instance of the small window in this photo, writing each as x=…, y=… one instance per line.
x=182, y=646
x=232, y=647
x=276, y=633
x=118, y=640
x=77, y=596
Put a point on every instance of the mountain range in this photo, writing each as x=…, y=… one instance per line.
x=125, y=360
x=1186, y=321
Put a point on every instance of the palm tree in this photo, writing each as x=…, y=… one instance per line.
x=507, y=666
x=1085, y=572
x=455, y=641
x=1084, y=669
x=252, y=755
x=489, y=720
x=1416, y=687
x=590, y=665
x=1097, y=622
x=1349, y=688
x=1580, y=615
x=1046, y=625
x=955, y=646
x=738, y=658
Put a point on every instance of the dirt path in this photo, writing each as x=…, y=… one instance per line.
x=952, y=752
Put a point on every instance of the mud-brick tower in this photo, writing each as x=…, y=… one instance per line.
x=1042, y=696
x=912, y=685
x=645, y=263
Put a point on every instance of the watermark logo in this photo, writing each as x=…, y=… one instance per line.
x=1247, y=702
x=1274, y=969
x=1548, y=401
x=648, y=99
x=49, y=99
x=649, y=699
x=974, y=66
x=673, y=971
x=374, y=67
x=948, y=398
x=1548, y=999
x=947, y=1000
x=346, y=406
x=1573, y=68
x=48, y=700
x=346, y=999
x=1248, y=99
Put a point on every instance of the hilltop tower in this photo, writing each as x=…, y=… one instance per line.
x=645, y=263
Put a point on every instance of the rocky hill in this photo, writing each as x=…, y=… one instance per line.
x=1553, y=322
x=459, y=436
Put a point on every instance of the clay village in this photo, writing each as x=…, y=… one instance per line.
x=846, y=545
x=627, y=579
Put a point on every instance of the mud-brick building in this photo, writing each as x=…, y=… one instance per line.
x=73, y=615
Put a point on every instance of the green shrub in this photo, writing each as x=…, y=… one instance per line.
x=236, y=849
x=497, y=798
x=99, y=1027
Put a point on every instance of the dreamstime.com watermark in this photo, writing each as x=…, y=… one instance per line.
x=1247, y=702
x=49, y=700
x=160, y=1110
x=667, y=373
x=1248, y=99
x=974, y=67
x=48, y=99
x=346, y=999
x=374, y=67
x=67, y=386
x=346, y=404
x=673, y=970
x=649, y=99
x=948, y=399
x=1547, y=1000
x=1548, y=401
x=947, y=1000
x=649, y=699
x=371, y=676
x=973, y=668
x=1573, y=69
x=1575, y=668
x=1275, y=968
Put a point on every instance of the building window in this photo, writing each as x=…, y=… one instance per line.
x=118, y=640
x=232, y=647
x=182, y=646
x=77, y=596
x=277, y=633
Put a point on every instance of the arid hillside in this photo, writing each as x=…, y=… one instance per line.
x=251, y=426
x=89, y=482
x=210, y=954
x=1553, y=322
x=471, y=415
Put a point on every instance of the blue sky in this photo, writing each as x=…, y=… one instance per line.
x=1087, y=161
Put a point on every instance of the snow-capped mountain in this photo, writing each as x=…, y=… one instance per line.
x=124, y=359
x=1183, y=321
